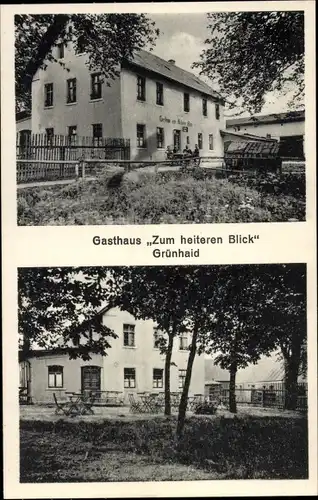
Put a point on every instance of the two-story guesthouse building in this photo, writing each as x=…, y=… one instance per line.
x=152, y=102
x=133, y=364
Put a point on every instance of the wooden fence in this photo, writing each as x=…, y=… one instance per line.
x=269, y=396
x=64, y=148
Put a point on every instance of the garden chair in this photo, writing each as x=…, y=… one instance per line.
x=61, y=408
x=88, y=403
x=135, y=406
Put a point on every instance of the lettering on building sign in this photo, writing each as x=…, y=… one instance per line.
x=174, y=121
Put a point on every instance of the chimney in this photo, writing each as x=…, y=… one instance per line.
x=171, y=61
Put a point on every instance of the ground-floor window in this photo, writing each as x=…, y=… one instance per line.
x=182, y=375
x=55, y=376
x=72, y=133
x=157, y=378
x=129, y=378
x=211, y=145
x=141, y=135
x=160, y=137
x=200, y=140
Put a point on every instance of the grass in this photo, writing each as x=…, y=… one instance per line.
x=149, y=198
x=145, y=450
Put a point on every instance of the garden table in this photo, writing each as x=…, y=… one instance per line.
x=79, y=404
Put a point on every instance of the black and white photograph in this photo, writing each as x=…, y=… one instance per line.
x=162, y=373
x=180, y=118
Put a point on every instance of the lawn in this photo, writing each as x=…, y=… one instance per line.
x=155, y=198
x=145, y=450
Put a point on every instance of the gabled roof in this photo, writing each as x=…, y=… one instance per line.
x=243, y=135
x=288, y=116
x=155, y=64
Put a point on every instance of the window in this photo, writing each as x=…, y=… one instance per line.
x=182, y=374
x=55, y=376
x=160, y=138
x=211, y=142
x=186, y=102
x=141, y=136
x=48, y=95
x=96, y=86
x=72, y=133
x=97, y=133
x=80, y=49
x=158, y=337
x=129, y=378
x=204, y=107
x=60, y=51
x=159, y=94
x=217, y=111
x=71, y=90
x=129, y=335
x=157, y=378
x=183, y=346
x=200, y=141
x=141, y=88
x=188, y=139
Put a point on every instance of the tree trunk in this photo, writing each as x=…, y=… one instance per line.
x=232, y=398
x=185, y=390
x=167, y=374
x=291, y=384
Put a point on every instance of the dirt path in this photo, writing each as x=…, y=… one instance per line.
x=50, y=183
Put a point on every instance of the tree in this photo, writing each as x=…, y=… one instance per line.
x=285, y=318
x=108, y=39
x=59, y=307
x=156, y=293
x=249, y=54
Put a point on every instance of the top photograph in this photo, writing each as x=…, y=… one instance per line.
x=160, y=118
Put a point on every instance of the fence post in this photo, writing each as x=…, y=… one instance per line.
x=76, y=171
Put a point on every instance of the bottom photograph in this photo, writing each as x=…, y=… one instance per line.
x=162, y=373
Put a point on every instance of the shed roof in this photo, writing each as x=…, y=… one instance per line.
x=250, y=148
x=151, y=62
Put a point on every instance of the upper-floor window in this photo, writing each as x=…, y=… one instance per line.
x=158, y=338
x=96, y=86
x=217, y=111
x=211, y=146
x=60, y=51
x=159, y=93
x=80, y=49
x=183, y=346
x=55, y=376
x=141, y=135
x=157, y=378
x=71, y=90
x=97, y=133
x=129, y=378
x=48, y=95
x=160, y=137
x=141, y=88
x=72, y=134
x=186, y=101
x=129, y=335
x=204, y=106
x=200, y=140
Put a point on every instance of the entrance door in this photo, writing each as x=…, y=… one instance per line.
x=177, y=139
x=91, y=379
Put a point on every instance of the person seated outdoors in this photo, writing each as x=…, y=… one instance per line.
x=187, y=151
x=196, y=151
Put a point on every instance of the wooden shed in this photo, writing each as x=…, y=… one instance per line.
x=257, y=156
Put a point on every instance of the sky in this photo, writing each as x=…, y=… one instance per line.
x=182, y=39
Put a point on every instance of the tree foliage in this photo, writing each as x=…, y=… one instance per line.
x=58, y=307
x=252, y=53
x=108, y=39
